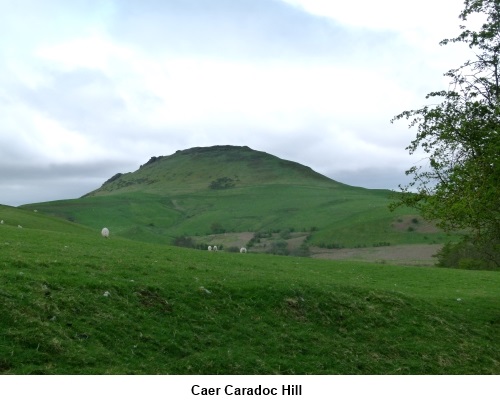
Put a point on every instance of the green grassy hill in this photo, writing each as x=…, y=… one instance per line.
x=22, y=219
x=221, y=189
x=76, y=303
x=195, y=169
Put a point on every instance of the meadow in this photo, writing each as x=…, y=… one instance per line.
x=76, y=303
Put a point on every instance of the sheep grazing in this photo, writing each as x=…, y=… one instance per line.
x=1, y=222
x=214, y=248
x=19, y=226
x=210, y=248
x=243, y=250
x=105, y=232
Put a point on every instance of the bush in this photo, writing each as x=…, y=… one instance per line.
x=217, y=228
x=465, y=255
x=470, y=264
x=279, y=247
x=302, y=251
x=285, y=234
x=330, y=245
x=184, y=241
x=222, y=183
x=255, y=239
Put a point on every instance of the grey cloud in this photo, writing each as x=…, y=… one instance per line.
x=12, y=151
x=95, y=169
x=27, y=182
x=82, y=100
x=228, y=28
x=388, y=178
x=50, y=189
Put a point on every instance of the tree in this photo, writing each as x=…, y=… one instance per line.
x=222, y=183
x=459, y=185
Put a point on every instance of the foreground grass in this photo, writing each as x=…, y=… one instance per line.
x=74, y=303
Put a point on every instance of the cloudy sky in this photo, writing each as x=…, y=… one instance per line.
x=89, y=88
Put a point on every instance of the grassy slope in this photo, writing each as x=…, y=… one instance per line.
x=171, y=197
x=261, y=314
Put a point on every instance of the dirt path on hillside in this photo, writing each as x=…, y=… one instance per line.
x=405, y=254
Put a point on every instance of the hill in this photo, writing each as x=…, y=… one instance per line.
x=215, y=168
x=76, y=303
x=229, y=189
x=22, y=219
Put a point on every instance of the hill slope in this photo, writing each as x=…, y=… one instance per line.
x=76, y=303
x=16, y=220
x=220, y=189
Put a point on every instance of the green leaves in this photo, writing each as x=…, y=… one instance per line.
x=458, y=185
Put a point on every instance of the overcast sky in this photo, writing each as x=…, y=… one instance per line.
x=89, y=88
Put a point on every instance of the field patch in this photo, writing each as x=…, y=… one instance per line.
x=417, y=255
x=227, y=240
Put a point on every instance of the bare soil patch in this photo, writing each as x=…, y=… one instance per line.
x=421, y=255
x=296, y=241
x=238, y=239
x=241, y=239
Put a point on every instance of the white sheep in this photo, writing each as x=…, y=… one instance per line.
x=243, y=250
x=214, y=248
x=210, y=248
x=19, y=226
x=1, y=222
x=105, y=232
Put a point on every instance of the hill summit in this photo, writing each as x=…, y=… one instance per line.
x=216, y=167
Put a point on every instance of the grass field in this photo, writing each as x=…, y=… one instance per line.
x=76, y=303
